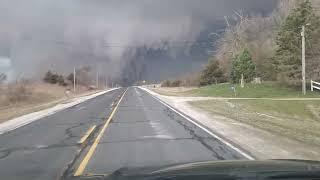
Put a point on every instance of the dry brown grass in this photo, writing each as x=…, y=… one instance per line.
x=20, y=93
x=22, y=98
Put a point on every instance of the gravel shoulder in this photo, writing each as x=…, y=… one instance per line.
x=23, y=120
x=259, y=142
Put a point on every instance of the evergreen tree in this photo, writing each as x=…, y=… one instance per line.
x=70, y=77
x=242, y=65
x=287, y=59
x=51, y=78
x=47, y=77
x=60, y=80
x=212, y=74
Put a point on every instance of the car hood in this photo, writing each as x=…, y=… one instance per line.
x=221, y=170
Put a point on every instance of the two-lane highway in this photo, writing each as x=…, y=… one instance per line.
x=133, y=129
x=145, y=133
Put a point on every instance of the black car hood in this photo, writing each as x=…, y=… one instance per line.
x=277, y=169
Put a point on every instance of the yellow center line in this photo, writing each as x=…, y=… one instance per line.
x=87, y=134
x=88, y=156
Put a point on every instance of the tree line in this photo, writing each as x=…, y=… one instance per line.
x=83, y=77
x=268, y=47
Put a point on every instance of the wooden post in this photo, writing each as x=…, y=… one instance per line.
x=303, y=60
x=242, y=81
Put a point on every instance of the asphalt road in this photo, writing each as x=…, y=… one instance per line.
x=141, y=132
x=43, y=149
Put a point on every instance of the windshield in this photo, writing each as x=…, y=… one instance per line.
x=93, y=88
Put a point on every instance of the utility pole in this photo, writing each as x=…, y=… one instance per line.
x=97, y=80
x=303, y=60
x=106, y=82
x=74, y=79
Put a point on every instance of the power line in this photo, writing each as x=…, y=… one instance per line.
x=207, y=43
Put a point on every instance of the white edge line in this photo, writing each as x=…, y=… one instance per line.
x=203, y=128
x=17, y=122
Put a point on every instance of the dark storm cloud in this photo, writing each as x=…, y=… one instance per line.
x=59, y=34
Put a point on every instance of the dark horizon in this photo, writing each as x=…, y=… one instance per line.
x=58, y=35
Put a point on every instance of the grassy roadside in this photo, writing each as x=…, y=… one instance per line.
x=267, y=90
x=297, y=120
x=174, y=91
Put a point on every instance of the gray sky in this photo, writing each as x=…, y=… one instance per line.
x=59, y=34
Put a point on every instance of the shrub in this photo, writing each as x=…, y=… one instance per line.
x=52, y=78
x=176, y=83
x=212, y=74
x=18, y=92
x=166, y=83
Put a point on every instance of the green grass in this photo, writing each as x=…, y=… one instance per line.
x=297, y=120
x=291, y=109
x=250, y=91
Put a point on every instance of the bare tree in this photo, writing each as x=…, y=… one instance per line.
x=257, y=33
x=232, y=41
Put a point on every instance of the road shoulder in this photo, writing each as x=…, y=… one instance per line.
x=29, y=118
x=260, y=143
